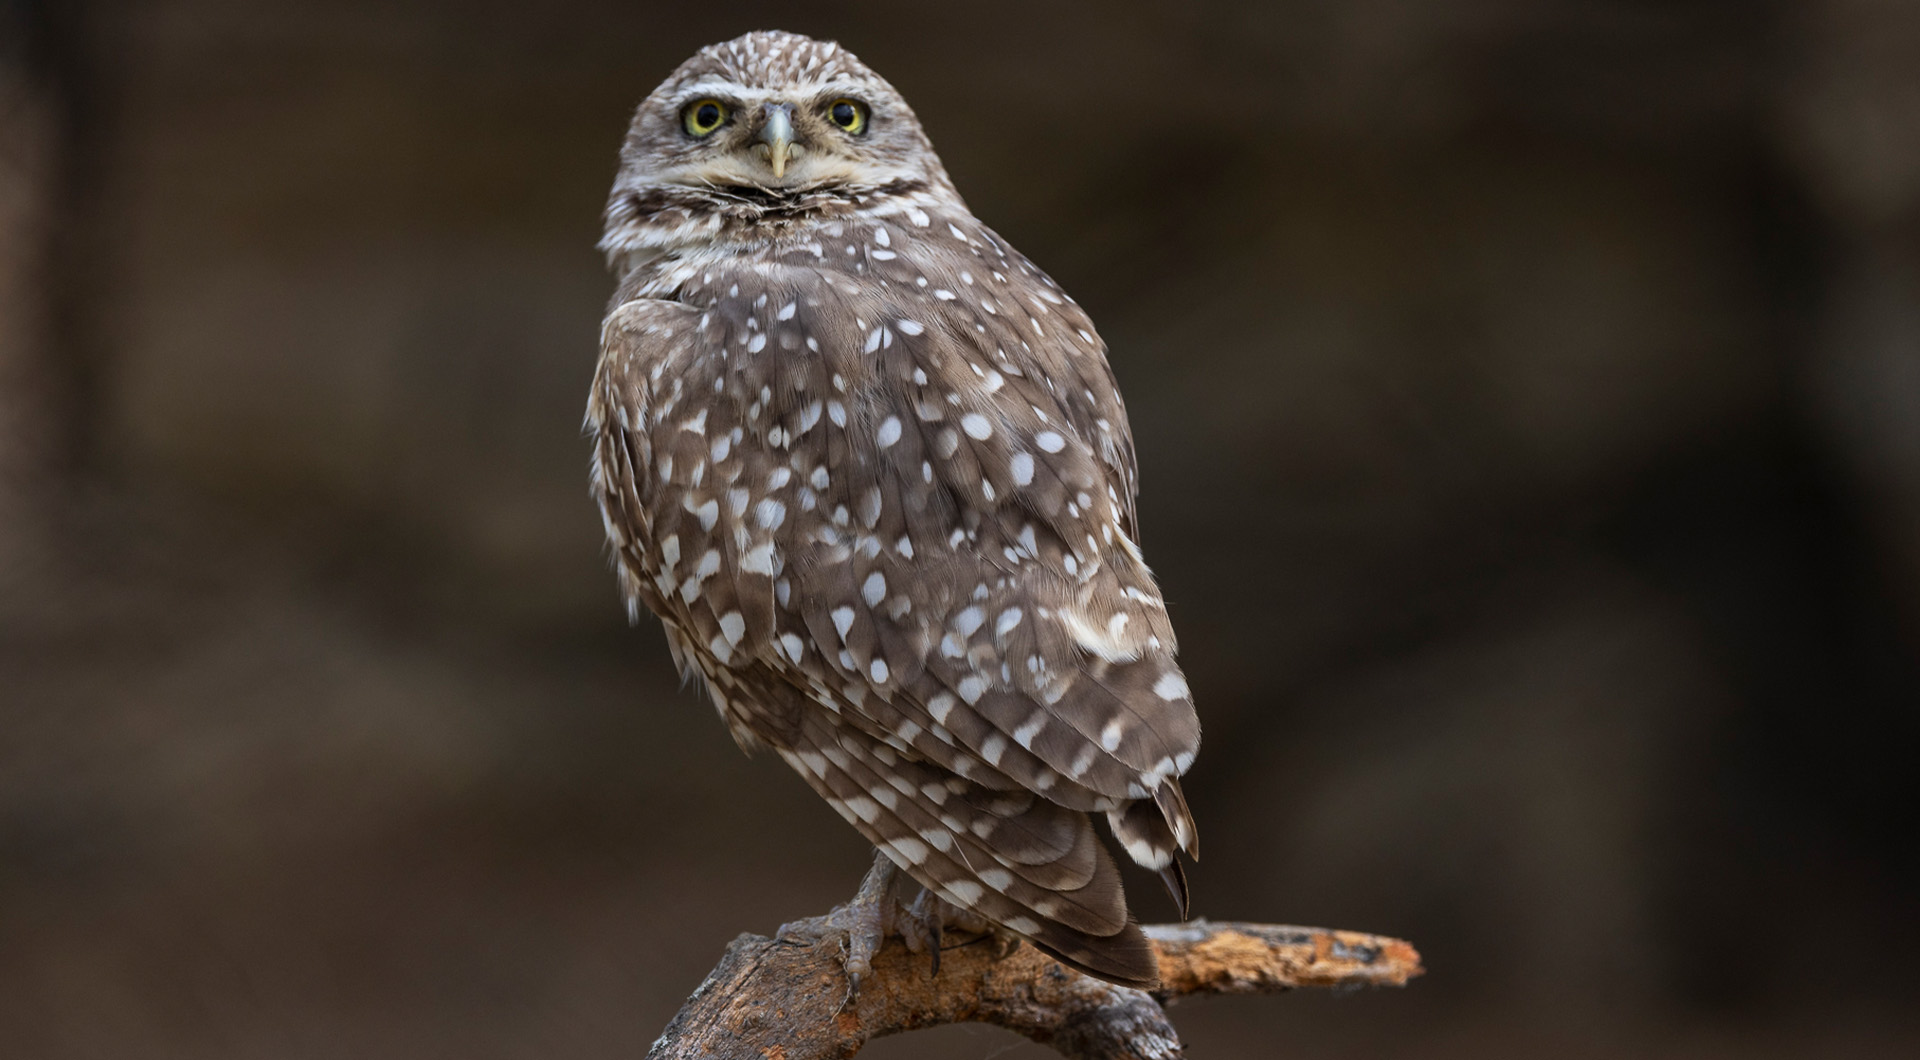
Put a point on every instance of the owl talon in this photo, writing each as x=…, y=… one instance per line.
x=920, y=926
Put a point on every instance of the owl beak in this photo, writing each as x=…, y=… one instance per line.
x=776, y=132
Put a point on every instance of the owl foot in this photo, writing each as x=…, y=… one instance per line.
x=924, y=925
x=876, y=912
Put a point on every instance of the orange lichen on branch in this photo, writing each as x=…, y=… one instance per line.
x=1234, y=958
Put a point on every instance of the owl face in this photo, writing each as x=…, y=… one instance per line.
x=774, y=112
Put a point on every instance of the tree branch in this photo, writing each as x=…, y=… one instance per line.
x=787, y=998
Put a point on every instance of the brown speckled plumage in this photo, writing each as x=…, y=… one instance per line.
x=870, y=468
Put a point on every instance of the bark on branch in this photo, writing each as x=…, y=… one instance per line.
x=787, y=998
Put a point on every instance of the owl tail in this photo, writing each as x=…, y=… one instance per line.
x=1126, y=958
x=1033, y=867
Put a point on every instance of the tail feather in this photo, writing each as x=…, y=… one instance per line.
x=982, y=851
x=1126, y=958
x=1175, y=877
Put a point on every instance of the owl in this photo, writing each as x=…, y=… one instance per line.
x=870, y=468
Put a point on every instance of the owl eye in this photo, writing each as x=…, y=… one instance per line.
x=849, y=114
x=702, y=117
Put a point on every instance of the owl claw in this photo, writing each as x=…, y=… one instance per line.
x=920, y=924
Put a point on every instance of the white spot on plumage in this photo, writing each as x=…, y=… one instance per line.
x=708, y=566
x=1143, y=852
x=842, y=620
x=758, y=560
x=1172, y=686
x=941, y=705
x=889, y=432
x=875, y=589
x=1020, y=466
x=1082, y=762
x=733, y=626
x=770, y=513
x=1050, y=441
x=1025, y=733
x=878, y=670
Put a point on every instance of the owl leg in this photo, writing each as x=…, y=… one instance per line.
x=868, y=917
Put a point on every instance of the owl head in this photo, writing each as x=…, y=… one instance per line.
x=774, y=113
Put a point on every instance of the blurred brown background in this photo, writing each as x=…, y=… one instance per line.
x=1529, y=402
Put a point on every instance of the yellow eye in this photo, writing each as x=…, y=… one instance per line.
x=702, y=117
x=849, y=114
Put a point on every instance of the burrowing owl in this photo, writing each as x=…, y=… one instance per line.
x=869, y=466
